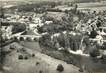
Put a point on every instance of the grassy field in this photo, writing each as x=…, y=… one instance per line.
x=93, y=6
x=41, y=63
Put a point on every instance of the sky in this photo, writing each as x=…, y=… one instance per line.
x=35, y=0
x=23, y=0
x=27, y=0
x=51, y=0
x=41, y=0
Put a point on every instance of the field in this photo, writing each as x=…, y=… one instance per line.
x=39, y=64
x=93, y=6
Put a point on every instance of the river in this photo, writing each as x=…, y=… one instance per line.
x=32, y=45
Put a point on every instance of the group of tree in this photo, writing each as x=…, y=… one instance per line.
x=18, y=28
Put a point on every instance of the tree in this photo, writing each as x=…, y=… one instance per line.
x=1, y=49
x=18, y=28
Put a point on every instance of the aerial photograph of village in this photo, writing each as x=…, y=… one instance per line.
x=52, y=36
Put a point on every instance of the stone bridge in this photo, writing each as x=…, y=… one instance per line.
x=20, y=37
x=27, y=38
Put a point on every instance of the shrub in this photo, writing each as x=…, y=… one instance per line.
x=26, y=57
x=60, y=68
x=20, y=57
